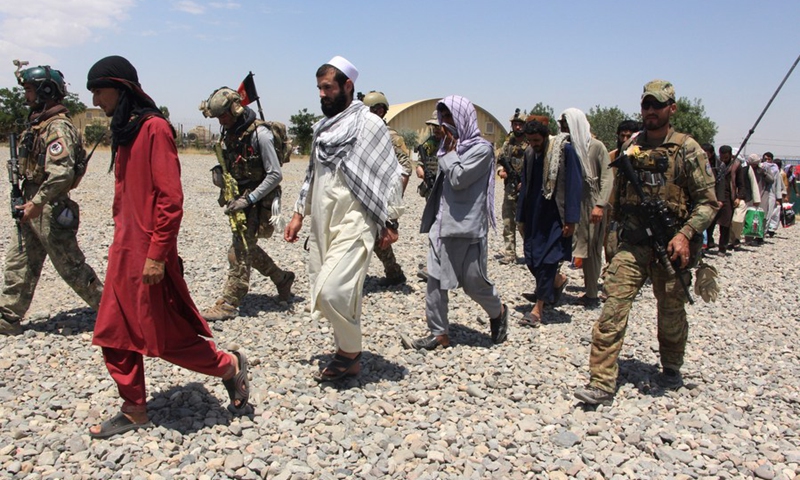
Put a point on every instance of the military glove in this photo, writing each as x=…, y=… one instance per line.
x=706, y=285
x=237, y=204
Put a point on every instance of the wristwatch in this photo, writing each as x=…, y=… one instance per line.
x=392, y=224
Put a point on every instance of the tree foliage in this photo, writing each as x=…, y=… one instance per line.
x=604, y=122
x=94, y=133
x=13, y=111
x=164, y=111
x=302, y=130
x=410, y=137
x=691, y=118
x=542, y=109
x=73, y=104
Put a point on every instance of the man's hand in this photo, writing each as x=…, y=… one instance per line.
x=597, y=215
x=502, y=173
x=568, y=230
x=678, y=248
x=236, y=204
x=291, y=230
x=153, y=272
x=30, y=211
x=420, y=172
x=388, y=237
x=736, y=203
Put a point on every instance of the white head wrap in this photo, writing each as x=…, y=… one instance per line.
x=579, y=132
x=345, y=66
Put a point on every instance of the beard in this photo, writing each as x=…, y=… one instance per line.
x=655, y=123
x=334, y=107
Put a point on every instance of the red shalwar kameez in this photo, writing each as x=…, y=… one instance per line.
x=158, y=320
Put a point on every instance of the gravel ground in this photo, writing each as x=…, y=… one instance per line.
x=472, y=411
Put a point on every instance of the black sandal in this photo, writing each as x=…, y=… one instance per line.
x=117, y=424
x=238, y=386
x=341, y=367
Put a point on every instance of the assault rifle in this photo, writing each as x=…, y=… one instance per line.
x=512, y=176
x=430, y=177
x=658, y=223
x=230, y=191
x=17, y=200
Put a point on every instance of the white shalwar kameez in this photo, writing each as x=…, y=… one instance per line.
x=338, y=264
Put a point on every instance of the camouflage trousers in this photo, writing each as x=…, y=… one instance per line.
x=509, y=214
x=629, y=269
x=41, y=238
x=241, y=260
x=390, y=265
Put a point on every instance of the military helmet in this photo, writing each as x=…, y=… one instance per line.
x=376, y=98
x=49, y=82
x=517, y=117
x=223, y=99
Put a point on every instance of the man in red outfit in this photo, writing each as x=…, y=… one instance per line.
x=146, y=308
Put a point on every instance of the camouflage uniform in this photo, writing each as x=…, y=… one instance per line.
x=429, y=163
x=393, y=271
x=48, y=152
x=687, y=188
x=513, y=151
x=245, y=164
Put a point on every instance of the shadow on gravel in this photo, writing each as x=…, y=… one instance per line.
x=189, y=408
x=73, y=322
x=255, y=303
x=374, y=368
x=371, y=286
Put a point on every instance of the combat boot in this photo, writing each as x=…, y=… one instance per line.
x=221, y=310
x=670, y=379
x=285, y=287
x=594, y=396
x=389, y=281
x=9, y=328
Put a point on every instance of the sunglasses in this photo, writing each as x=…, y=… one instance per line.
x=655, y=104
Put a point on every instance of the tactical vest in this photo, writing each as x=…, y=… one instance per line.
x=514, y=150
x=243, y=161
x=662, y=176
x=33, y=150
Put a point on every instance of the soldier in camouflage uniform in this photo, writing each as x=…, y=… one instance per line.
x=510, y=156
x=673, y=169
x=49, y=149
x=428, y=163
x=251, y=159
x=379, y=105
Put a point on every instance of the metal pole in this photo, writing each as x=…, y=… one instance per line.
x=753, y=129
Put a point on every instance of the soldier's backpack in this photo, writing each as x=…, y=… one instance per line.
x=281, y=141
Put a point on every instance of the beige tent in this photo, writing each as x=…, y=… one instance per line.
x=412, y=116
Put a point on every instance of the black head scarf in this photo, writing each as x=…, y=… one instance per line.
x=134, y=106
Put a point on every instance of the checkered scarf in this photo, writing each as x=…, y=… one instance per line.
x=553, y=160
x=469, y=135
x=361, y=146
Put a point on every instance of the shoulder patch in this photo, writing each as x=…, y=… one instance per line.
x=56, y=149
x=708, y=169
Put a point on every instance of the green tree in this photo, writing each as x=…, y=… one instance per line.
x=410, y=137
x=94, y=133
x=691, y=118
x=164, y=111
x=604, y=122
x=13, y=111
x=302, y=130
x=73, y=104
x=546, y=110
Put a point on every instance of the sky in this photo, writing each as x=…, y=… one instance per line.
x=502, y=55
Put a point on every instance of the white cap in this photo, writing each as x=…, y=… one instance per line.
x=345, y=66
